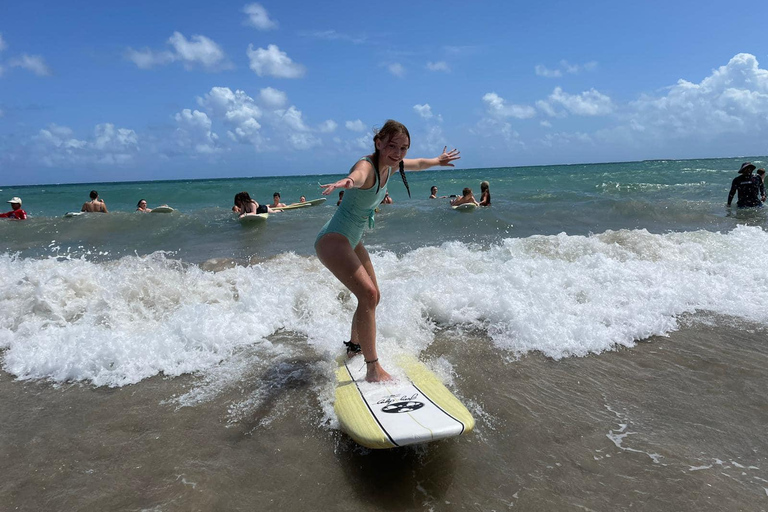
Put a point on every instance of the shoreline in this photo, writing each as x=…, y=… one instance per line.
x=674, y=423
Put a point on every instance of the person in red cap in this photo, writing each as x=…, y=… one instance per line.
x=750, y=188
x=16, y=213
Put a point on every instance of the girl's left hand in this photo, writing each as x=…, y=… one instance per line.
x=447, y=157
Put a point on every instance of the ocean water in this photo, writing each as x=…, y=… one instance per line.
x=605, y=324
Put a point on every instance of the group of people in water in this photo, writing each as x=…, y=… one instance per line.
x=244, y=205
x=339, y=243
x=467, y=197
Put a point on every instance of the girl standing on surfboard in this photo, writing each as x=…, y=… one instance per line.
x=338, y=244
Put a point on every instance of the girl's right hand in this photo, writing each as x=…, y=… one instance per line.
x=342, y=183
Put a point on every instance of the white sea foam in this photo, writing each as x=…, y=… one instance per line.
x=116, y=323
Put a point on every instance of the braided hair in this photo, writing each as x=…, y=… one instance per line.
x=405, y=181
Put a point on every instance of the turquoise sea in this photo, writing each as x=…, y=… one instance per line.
x=605, y=324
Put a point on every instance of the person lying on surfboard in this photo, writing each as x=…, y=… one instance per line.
x=467, y=198
x=245, y=205
x=339, y=246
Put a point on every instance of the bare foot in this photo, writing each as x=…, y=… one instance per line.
x=376, y=373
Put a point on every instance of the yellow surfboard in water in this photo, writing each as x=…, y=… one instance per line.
x=418, y=409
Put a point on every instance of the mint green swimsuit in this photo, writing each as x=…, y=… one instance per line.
x=355, y=211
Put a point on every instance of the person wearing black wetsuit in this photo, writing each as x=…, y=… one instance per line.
x=750, y=188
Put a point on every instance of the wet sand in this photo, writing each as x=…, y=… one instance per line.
x=675, y=424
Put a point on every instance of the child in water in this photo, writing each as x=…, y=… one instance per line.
x=339, y=246
x=467, y=198
x=485, y=194
x=276, y=201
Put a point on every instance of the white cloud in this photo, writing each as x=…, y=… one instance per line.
x=115, y=146
x=258, y=17
x=273, y=62
x=303, y=141
x=267, y=127
x=328, y=126
x=355, y=126
x=396, y=69
x=424, y=111
x=273, y=98
x=565, y=67
x=200, y=50
x=197, y=51
x=434, y=140
x=147, y=59
x=194, y=131
x=297, y=134
x=238, y=110
x=33, y=63
x=497, y=107
x=489, y=127
x=61, y=137
x=107, y=137
x=292, y=118
x=57, y=146
x=332, y=35
x=362, y=143
x=561, y=139
x=733, y=99
x=588, y=103
x=549, y=73
x=438, y=66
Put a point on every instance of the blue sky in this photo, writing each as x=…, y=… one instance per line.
x=107, y=91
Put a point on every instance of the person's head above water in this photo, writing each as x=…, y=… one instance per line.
x=747, y=167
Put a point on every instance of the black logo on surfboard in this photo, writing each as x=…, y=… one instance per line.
x=399, y=407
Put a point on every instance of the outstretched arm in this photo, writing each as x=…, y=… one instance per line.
x=356, y=179
x=444, y=160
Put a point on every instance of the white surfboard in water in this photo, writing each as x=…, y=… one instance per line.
x=412, y=410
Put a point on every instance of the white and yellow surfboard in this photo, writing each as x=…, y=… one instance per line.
x=253, y=218
x=294, y=206
x=418, y=409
